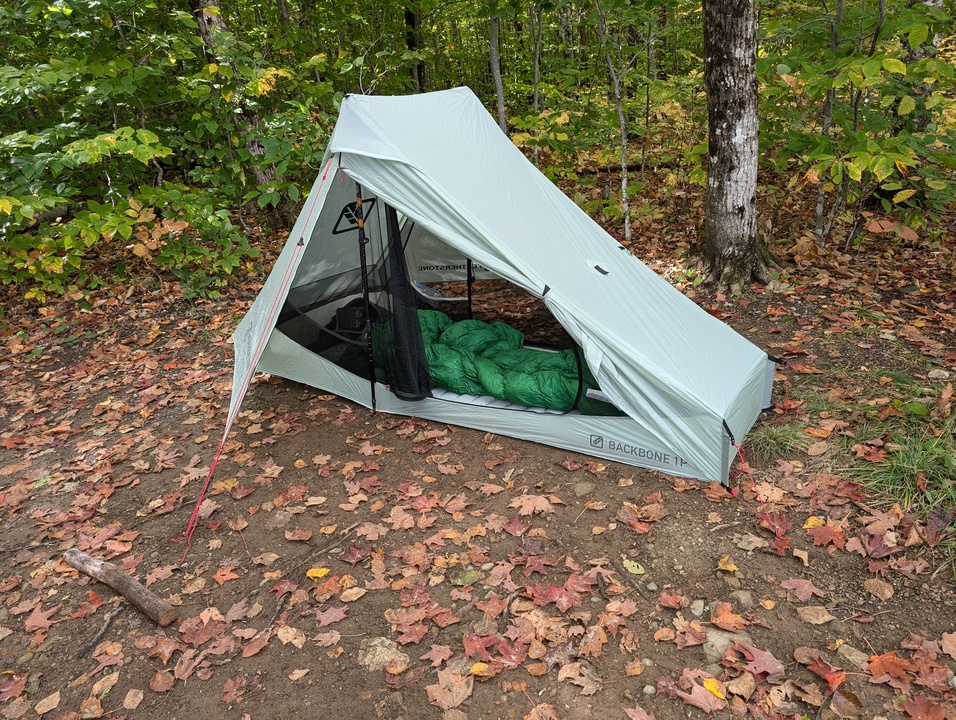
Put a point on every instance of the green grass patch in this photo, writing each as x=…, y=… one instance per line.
x=772, y=440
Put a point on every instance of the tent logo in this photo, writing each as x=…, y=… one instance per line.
x=597, y=441
x=348, y=218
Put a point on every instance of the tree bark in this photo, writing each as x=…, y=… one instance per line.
x=209, y=17
x=412, y=25
x=496, y=73
x=153, y=606
x=730, y=252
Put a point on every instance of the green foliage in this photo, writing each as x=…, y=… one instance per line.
x=863, y=106
x=109, y=111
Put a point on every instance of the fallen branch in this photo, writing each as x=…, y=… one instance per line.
x=155, y=608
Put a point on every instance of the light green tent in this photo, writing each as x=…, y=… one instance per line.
x=446, y=196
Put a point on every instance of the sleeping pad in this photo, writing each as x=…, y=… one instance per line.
x=472, y=357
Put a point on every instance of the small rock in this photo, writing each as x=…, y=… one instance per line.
x=376, y=653
x=582, y=488
x=487, y=567
x=719, y=640
x=650, y=690
x=952, y=682
x=743, y=599
x=652, y=587
x=857, y=658
x=697, y=608
x=938, y=375
x=732, y=582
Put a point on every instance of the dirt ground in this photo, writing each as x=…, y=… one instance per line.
x=353, y=565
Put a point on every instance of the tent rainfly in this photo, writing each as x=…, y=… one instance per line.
x=424, y=189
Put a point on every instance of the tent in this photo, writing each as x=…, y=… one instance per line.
x=424, y=189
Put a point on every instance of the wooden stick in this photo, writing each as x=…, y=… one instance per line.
x=155, y=608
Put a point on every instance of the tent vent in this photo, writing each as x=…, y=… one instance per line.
x=348, y=218
x=600, y=270
x=547, y=289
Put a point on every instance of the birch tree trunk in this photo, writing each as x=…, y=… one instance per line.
x=496, y=73
x=730, y=252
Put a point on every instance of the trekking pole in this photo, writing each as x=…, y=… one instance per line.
x=363, y=241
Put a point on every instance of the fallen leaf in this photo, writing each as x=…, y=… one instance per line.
x=532, y=505
x=451, y=690
x=298, y=674
x=50, y=702
x=879, y=588
x=352, y=594
x=921, y=707
x=288, y=634
x=815, y=614
x=133, y=698
x=162, y=681
x=845, y=703
x=298, y=535
x=818, y=448
x=803, y=589
x=40, y=619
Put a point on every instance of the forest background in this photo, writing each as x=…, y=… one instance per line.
x=138, y=139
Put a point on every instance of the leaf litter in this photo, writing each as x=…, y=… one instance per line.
x=459, y=548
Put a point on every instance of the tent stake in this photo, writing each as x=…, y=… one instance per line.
x=363, y=241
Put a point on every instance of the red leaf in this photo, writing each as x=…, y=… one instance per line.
x=40, y=619
x=298, y=534
x=332, y=615
x=437, y=655
x=516, y=526
x=803, y=589
x=921, y=707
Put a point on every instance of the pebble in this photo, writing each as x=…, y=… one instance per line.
x=652, y=587
x=743, y=599
x=488, y=566
x=854, y=656
x=937, y=374
x=583, y=488
x=650, y=690
x=952, y=682
x=731, y=581
x=697, y=608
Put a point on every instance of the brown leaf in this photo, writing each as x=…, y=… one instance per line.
x=879, y=588
x=451, y=690
x=845, y=703
x=40, y=619
x=50, y=702
x=162, y=681
x=818, y=448
x=815, y=614
x=803, y=589
x=298, y=534
x=134, y=697
x=256, y=644
x=532, y=505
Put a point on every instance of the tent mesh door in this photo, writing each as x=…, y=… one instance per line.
x=397, y=343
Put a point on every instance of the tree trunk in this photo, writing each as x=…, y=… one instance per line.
x=616, y=78
x=535, y=12
x=730, y=251
x=496, y=73
x=412, y=24
x=209, y=17
x=211, y=22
